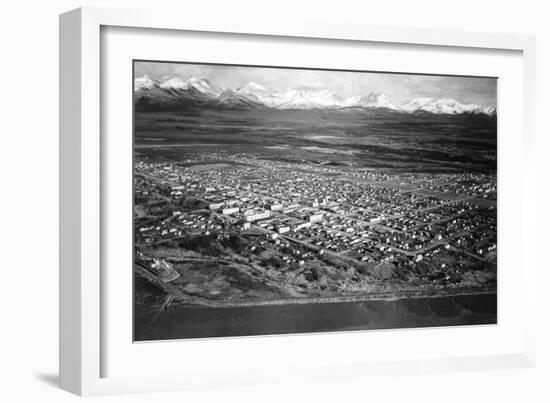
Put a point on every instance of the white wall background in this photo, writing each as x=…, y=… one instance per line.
x=29, y=171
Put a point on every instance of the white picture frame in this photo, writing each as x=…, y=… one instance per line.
x=82, y=339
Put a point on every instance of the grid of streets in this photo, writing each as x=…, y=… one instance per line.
x=302, y=229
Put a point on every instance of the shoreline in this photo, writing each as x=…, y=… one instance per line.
x=381, y=296
x=181, y=299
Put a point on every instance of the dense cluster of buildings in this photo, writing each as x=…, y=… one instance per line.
x=362, y=215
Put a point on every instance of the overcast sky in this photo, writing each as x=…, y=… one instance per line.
x=401, y=87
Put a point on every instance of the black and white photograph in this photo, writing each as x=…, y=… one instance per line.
x=271, y=202
x=275, y=200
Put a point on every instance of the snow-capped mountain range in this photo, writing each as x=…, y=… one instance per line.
x=173, y=92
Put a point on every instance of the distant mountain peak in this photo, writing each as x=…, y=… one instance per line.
x=174, y=83
x=443, y=106
x=253, y=86
x=374, y=96
x=199, y=81
x=145, y=82
x=372, y=100
x=175, y=90
x=204, y=86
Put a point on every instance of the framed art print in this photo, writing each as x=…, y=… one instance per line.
x=245, y=203
x=273, y=200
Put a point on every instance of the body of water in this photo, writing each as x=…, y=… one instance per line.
x=180, y=322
